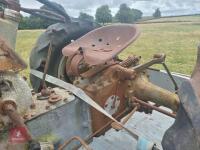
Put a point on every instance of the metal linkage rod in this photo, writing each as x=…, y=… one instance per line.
x=154, y=107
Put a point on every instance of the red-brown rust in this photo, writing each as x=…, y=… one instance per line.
x=98, y=119
x=54, y=98
x=103, y=44
x=9, y=60
x=15, y=117
x=116, y=75
x=153, y=107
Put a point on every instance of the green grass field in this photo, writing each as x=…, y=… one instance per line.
x=194, y=18
x=26, y=40
x=178, y=40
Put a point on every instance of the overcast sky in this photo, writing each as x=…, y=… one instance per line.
x=167, y=7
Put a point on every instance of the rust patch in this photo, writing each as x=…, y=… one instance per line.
x=108, y=91
x=54, y=98
x=9, y=60
x=103, y=44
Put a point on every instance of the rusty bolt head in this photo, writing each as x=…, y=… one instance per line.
x=52, y=91
x=54, y=98
x=26, y=117
x=8, y=105
x=33, y=106
x=33, y=114
x=25, y=78
x=47, y=107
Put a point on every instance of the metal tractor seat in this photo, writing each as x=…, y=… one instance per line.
x=100, y=45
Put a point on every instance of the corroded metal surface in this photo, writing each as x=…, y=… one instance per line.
x=21, y=91
x=108, y=90
x=146, y=91
x=15, y=99
x=143, y=128
x=59, y=121
x=46, y=104
x=121, y=84
x=103, y=44
x=145, y=105
x=113, y=83
x=9, y=60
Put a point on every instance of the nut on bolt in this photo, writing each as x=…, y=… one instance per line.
x=7, y=105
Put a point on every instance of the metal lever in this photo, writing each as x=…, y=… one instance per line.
x=157, y=59
x=117, y=126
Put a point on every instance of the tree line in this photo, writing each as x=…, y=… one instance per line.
x=103, y=15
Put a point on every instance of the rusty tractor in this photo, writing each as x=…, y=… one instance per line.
x=84, y=96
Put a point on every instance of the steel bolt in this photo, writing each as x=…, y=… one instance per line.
x=33, y=106
x=47, y=107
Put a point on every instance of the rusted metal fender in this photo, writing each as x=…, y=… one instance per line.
x=185, y=132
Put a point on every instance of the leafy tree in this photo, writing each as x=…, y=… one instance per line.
x=34, y=22
x=137, y=14
x=84, y=16
x=157, y=13
x=103, y=14
x=125, y=14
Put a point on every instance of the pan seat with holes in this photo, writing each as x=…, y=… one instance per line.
x=103, y=44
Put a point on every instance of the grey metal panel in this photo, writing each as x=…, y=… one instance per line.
x=152, y=127
x=162, y=79
x=71, y=119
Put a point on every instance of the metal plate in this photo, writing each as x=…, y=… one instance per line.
x=62, y=123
